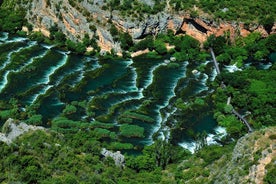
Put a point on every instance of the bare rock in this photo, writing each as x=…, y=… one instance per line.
x=13, y=129
x=118, y=158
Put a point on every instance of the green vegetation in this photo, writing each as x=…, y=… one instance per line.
x=50, y=157
x=11, y=20
x=70, y=151
x=248, y=11
x=251, y=90
x=131, y=131
x=127, y=115
x=271, y=173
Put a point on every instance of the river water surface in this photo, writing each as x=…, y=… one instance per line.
x=41, y=74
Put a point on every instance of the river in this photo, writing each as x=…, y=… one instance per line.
x=44, y=75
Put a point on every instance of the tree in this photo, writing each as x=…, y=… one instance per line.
x=160, y=47
x=78, y=48
x=217, y=43
x=60, y=37
x=268, y=23
x=35, y=120
x=146, y=43
x=11, y=20
x=69, y=109
x=126, y=41
x=271, y=43
x=86, y=40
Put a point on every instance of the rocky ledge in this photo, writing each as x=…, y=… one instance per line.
x=13, y=129
x=118, y=158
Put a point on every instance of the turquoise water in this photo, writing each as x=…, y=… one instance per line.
x=52, y=79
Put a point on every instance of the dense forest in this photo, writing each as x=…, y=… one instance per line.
x=69, y=150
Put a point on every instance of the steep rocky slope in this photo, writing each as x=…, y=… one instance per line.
x=249, y=158
x=247, y=163
x=77, y=18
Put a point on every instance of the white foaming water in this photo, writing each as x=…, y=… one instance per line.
x=41, y=92
x=196, y=73
x=213, y=75
x=9, y=57
x=169, y=114
x=47, y=46
x=47, y=80
x=128, y=62
x=150, y=77
x=166, y=103
x=8, y=61
x=58, y=103
x=204, y=79
x=139, y=96
x=60, y=65
x=166, y=128
x=53, y=69
x=4, y=37
x=133, y=86
x=219, y=133
x=265, y=66
x=5, y=81
x=30, y=61
x=17, y=39
x=206, y=62
x=203, y=83
x=81, y=69
x=191, y=146
x=232, y=68
x=211, y=139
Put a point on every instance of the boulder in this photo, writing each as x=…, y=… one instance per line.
x=118, y=158
x=13, y=129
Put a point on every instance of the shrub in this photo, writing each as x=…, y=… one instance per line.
x=131, y=131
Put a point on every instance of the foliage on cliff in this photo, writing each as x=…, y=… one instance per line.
x=133, y=19
x=50, y=157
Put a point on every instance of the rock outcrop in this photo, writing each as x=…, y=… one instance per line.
x=75, y=18
x=118, y=158
x=13, y=129
x=250, y=156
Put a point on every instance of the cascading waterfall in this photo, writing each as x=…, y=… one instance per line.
x=171, y=95
x=47, y=80
x=125, y=85
x=4, y=80
x=4, y=37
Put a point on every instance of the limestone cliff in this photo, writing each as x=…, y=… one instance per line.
x=246, y=163
x=251, y=155
x=76, y=18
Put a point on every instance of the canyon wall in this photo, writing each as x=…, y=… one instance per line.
x=78, y=18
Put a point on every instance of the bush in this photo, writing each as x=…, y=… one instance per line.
x=35, y=120
x=160, y=47
x=131, y=131
x=69, y=109
x=146, y=43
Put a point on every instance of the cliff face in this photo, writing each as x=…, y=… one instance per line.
x=252, y=152
x=246, y=163
x=76, y=18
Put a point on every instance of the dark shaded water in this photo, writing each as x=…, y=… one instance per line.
x=52, y=78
